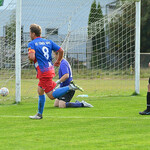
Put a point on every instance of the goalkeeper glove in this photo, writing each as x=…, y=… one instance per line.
x=57, y=83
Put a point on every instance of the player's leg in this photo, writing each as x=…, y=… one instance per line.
x=75, y=105
x=48, y=85
x=62, y=104
x=62, y=91
x=78, y=104
x=58, y=92
x=64, y=101
x=42, y=100
x=56, y=103
x=147, y=111
x=41, y=104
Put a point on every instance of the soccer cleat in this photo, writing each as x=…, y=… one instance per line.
x=77, y=101
x=37, y=116
x=86, y=104
x=74, y=86
x=145, y=112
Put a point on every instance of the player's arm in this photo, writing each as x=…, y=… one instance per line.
x=65, y=73
x=60, y=56
x=62, y=79
x=31, y=55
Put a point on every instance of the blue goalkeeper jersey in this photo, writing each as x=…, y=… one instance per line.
x=43, y=56
x=64, y=69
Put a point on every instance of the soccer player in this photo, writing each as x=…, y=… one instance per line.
x=147, y=111
x=65, y=78
x=39, y=52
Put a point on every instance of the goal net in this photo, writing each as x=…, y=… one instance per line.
x=98, y=40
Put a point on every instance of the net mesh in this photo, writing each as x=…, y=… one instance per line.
x=100, y=47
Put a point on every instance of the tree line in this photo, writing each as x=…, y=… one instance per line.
x=117, y=36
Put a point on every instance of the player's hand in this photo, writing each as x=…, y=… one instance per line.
x=57, y=84
x=149, y=64
x=31, y=61
x=57, y=63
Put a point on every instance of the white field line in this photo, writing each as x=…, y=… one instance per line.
x=75, y=117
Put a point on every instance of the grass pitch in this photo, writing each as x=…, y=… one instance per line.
x=112, y=124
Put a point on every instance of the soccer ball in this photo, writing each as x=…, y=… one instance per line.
x=4, y=91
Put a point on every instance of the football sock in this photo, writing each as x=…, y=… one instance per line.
x=68, y=104
x=148, y=101
x=41, y=103
x=60, y=91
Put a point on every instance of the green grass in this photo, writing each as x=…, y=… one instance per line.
x=112, y=124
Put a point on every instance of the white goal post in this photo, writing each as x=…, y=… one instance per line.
x=137, y=47
x=18, y=51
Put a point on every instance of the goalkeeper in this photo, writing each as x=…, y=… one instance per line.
x=39, y=52
x=65, y=78
x=147, y=111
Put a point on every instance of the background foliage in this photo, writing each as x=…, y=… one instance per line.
x=145, y=26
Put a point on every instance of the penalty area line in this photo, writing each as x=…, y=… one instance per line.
x=75, y=117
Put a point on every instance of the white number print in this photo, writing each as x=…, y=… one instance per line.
x=46, y=52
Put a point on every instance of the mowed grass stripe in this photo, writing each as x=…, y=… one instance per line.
x=77, y=117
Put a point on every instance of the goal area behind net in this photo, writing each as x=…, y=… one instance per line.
x=102, y=48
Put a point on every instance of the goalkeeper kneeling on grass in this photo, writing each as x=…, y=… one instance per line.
x=65, y=79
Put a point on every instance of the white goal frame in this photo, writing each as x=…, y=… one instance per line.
x=137, y=47
x=18, y=49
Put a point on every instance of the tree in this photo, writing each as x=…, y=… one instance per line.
x=1, y=2
x=96, y=34
x=122, y=36
x=100, y=39
x=92, y=19
x=10, y=32
x=145, y=28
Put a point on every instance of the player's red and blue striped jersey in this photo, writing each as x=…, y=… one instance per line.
x=43, y=56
